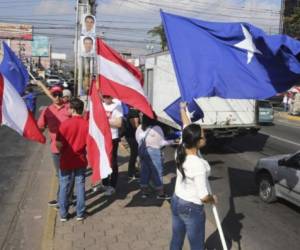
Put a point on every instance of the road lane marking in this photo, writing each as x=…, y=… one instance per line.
x=280, y=139
x=287, y=124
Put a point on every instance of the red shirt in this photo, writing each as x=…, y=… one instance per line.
x=72, y=134
x=52, y=117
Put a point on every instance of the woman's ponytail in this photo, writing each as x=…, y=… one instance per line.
x=191, y=136
x=180, y=158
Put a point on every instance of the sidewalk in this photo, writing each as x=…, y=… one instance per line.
x=123, y=221
x=286, y=116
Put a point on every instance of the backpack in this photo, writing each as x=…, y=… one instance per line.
x=142, y=149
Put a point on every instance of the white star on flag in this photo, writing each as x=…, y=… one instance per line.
x=13, y=66
x=192, y=114
x=248, y=44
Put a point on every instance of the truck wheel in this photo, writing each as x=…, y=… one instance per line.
x=266, y=188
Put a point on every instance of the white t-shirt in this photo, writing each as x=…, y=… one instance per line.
x=195, y=185
x=155, y=137
x=114, y=110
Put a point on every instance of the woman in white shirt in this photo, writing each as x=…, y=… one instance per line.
x=191, y=191
x=150, y=139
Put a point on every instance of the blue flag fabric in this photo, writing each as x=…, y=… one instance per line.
x=173, y=110
x=229, y=60
x=125, y=109
x=14, y=70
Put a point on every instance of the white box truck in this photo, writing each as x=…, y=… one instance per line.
x=223, y=118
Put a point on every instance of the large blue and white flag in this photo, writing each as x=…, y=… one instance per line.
x=229, y=60
x=13, y=110
x=173, y=110
x=13, y=69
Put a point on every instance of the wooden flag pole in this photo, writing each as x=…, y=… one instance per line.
x=43, y=87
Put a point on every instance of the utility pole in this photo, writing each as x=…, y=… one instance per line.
x=82, y=65
x=282, y=10
x=77, y=28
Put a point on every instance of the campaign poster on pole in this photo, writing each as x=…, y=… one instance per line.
x=88, y=25
x=87, y=47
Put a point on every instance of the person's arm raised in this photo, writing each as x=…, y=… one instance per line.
x=183, y=114
x=45, y=89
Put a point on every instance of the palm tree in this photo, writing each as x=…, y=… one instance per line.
x=159, y=31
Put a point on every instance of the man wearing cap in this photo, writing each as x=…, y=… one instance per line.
x=51, y=117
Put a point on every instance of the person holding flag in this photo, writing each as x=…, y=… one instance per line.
x=114, y=114
x=51, y=117
x=192, y=190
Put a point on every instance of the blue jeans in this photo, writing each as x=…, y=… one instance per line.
x=187, y=217
x=151, y=168
x=65, y=180
x=56, y=162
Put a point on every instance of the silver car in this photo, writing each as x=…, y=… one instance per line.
x=279, y=176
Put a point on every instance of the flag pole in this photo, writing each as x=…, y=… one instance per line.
x=219, y=226
x=42, y=86
x=214, y=208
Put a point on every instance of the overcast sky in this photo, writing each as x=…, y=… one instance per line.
x=125, y=23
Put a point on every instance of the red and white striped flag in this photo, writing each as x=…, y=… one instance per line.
x=99, y=141
x=120, y=79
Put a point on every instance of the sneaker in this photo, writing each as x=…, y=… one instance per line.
x=109, y=191
x=80, y=218
x=145, y=195
x=132, y=178
x=63, y=219
x=52, y=203
x=163, y=197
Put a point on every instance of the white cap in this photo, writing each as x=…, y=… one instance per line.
x=67, y=92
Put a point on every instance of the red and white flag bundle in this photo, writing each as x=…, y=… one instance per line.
x=120, y=79
x=99, y=141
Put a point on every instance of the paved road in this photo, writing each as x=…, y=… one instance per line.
x=21, y=198
x=249, y=223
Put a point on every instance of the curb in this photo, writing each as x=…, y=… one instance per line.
x=49, y=227
x=293, y=118
x=288, y=117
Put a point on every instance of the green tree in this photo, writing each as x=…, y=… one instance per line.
x=292, y=23
x=160, y=32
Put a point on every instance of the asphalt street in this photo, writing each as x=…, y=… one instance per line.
x=248, y=223
x=20, y=164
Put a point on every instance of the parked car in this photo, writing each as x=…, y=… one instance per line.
x=265, y=111
x=52, y=80
x=279, y=176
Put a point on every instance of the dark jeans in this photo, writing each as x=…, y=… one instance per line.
x=113, y=178
x=133, y=155
x=187, y=218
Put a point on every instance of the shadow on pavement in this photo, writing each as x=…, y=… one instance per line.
x=232, y=223
x=102, y=202
x=247, y=143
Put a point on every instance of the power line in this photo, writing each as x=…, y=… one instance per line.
x=205, y=12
